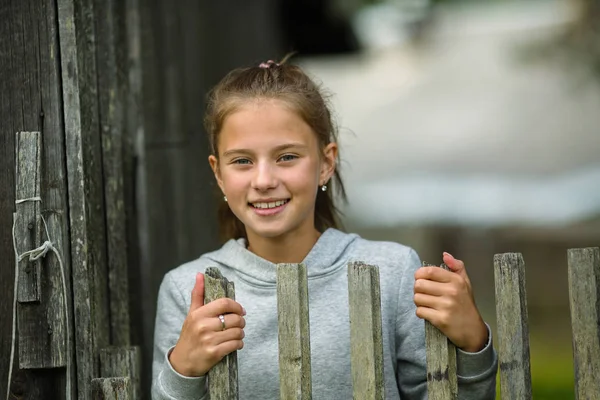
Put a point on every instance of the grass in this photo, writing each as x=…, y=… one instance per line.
x=552, y=374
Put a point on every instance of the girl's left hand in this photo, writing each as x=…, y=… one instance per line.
x=445, y=299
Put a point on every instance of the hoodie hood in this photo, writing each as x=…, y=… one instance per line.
x=326, y=256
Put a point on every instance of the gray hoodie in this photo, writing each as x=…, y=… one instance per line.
x=255, y=286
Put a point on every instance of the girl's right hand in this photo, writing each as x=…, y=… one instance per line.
x=203, y=342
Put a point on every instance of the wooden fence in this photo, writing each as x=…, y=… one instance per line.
x=42, y=315
x=366, y=340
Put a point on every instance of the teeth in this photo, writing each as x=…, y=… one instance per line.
x=270, y=205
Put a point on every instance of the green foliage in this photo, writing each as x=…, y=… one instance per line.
x=552, y=373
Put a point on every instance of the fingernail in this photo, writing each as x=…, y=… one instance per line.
x=244, y=310
x=448, y=254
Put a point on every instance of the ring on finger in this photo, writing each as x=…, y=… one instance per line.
x=222, y=319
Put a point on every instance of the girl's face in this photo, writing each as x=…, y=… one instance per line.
x=270, y=168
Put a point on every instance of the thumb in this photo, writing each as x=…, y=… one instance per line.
x=198, y=292
x=455, y=265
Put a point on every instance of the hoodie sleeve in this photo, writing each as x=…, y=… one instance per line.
x=168, y=384
x=476, y=371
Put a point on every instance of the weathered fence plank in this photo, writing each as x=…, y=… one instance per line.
x=222, y=378
x=584, y=296
x=42, y=335
x=513, y=330
x=85, y=184
x=294, y=332
x=124, y=362
x=366, y=343
x=115, y=388
x=28, y=224
x=442, y=381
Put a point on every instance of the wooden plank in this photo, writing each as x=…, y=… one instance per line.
x=31, y=101
x=85, y=187
x=222, y=378
x=7, y=190
x=48, y=110
x=42, y=336
x=111, y=42
x=366, y=342
x=294, y=332
x=28, y=224
x=442, y=383
x=116, y=388
x=171, y=64
x=7, y=200
x=513, y=329
x=584, y=297
x=232, y=360
x=122, y=361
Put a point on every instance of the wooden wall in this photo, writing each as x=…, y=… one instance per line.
x=116, y=89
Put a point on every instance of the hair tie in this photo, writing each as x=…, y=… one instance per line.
x=268, y=64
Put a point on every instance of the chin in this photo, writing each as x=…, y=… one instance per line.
x=270, y=231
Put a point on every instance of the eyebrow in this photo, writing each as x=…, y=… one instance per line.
x=275, y=150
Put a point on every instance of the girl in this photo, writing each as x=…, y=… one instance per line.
x=275, y=158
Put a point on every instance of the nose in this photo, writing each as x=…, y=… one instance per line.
x=264, y=177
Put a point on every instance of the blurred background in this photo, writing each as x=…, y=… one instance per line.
x=472, y=127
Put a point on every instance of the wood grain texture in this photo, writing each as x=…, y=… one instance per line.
x=42, y=335
x=112, y=87
x=294, y=332
x=31, y=100
x=115, y=388
x=125, y=362
x=442, y=383
x=28, y=224
x=584, y=297
x=85, y=189
x=222, y=378
x=133, y=129
x=513, y=329
x=366, y=343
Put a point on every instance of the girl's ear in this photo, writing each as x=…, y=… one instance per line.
x=330, y=153
x=214, y=165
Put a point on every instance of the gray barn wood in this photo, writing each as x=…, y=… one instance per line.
x=366, y=343
x=294, y=332
x=115, y=388
x=86, y=196
x=222, y=378
x=513, y=330
x=42, y=335
x=584, y=296
x=28, y=224
x=441, y=363
x=124, y=362
x=32, y=101
x=112, y=80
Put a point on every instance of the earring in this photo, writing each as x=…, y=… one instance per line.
x=324, y=188
x=225, y=198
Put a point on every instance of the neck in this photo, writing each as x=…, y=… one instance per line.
x=284, y=249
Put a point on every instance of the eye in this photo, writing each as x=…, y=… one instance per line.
x=241, y=161
x=288, y=157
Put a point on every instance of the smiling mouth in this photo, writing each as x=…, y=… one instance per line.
x=269, y=205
